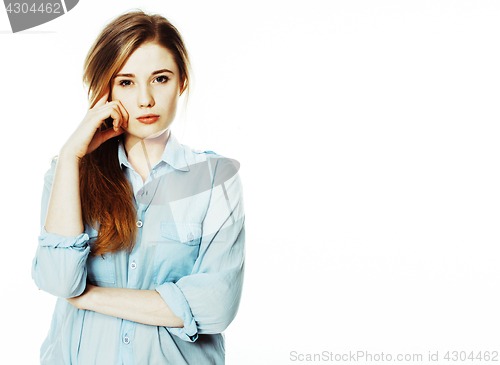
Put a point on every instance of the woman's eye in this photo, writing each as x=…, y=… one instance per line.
x=125, y=83
x=162, y=79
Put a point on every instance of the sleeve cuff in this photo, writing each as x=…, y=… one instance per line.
x=177, y=302
x=56, y=240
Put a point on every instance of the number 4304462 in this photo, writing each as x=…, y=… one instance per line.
x=24, y=8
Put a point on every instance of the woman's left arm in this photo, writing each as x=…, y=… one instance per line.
x=142, y=306
x=206, y=301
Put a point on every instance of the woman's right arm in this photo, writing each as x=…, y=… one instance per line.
x=64, y=214
x=59, y=266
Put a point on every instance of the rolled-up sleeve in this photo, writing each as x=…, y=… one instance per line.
x=207, y=300
x=59, y=266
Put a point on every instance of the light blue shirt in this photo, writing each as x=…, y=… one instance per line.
x=189, y=248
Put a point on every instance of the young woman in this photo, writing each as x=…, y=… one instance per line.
x=142, y=238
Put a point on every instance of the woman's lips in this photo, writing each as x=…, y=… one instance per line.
x=148, y=119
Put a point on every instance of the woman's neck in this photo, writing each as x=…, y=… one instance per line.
x=143, y=154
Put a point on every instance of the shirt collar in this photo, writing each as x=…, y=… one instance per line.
x=173, y=154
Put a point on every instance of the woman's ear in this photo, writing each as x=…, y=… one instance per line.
x=182, y=88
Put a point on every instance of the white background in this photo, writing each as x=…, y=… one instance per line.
x=367, y=133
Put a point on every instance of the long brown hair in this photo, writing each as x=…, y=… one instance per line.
x=105, y=193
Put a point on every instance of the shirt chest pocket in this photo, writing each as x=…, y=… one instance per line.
x=177, y=250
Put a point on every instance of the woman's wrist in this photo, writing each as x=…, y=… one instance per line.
x=67, y=153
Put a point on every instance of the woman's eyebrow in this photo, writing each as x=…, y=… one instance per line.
x=161, y=71
x=153, y=73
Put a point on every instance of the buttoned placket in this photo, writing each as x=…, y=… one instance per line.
x=141, y=201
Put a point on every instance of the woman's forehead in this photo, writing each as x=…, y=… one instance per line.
x=148, y=58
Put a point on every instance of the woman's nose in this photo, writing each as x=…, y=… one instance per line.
x=145, y=98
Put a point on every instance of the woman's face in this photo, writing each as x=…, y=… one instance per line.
x=148, y=86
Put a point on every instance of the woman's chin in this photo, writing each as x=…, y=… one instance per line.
x=157, y=134
x=140, y=135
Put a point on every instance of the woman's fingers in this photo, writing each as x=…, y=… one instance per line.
x=118, y=113
x=118, y=106
x=88, y=136
x=124, y=113
x=110, y=109
x=102, y=101
x=110, y=133
x=101, y=137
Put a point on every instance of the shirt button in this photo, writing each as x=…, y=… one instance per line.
x=133, y=265
x=140, y=192
x=190, y=237
x=138, y=224
x=126, y=340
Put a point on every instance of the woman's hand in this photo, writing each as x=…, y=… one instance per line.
x=87, y=137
